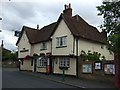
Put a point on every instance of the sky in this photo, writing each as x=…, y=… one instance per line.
x=16, y=13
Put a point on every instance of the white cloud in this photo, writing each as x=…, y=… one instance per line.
x=16, y=13
x=9, y=39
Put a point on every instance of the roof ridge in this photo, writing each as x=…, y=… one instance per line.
x=85, y=22
x=47, y=25
x=80, y=18
x=79, y=27
x=29, y=27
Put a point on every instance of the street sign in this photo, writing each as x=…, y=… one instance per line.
x=17, y=33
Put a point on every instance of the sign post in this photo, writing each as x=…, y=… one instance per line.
x=63, y=75
x=117, y=71
x=63, y=72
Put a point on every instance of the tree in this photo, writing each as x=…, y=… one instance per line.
x=7, y=55
x=111, y=14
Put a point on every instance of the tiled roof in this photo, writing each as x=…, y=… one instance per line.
x=36, y=36
x=79, y=28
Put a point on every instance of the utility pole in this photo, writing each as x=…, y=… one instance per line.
x=2, y=44
x=0, y=19
x=0, y=67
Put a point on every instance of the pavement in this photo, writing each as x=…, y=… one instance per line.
x=72, y=81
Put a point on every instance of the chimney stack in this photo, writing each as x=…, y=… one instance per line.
x=69, y=5
x=65, y=6
x=37, y=27
x=68, y=10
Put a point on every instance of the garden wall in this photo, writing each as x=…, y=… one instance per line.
x=97, y=70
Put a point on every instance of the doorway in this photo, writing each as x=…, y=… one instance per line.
x=34, y=65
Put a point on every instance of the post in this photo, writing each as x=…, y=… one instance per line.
x=117, y=70
x=63, y=75
x=48, y=66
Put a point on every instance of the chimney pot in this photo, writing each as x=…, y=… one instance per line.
x=37, y=26
x=65, y=6
x=68, y=10
x=69, y=5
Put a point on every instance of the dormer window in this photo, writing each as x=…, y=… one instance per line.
x=61, y=41
x=43, y=46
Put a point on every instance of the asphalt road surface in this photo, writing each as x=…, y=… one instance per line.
x=12, y=78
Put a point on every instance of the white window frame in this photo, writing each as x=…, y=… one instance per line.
x=43, y=46
x=64, y=62
x=41, y=62
x=61, y=41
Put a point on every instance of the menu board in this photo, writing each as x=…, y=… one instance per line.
x=87, y=68
x=109, y=69
x=98, y=65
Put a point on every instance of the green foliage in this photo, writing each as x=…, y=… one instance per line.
x=114, y=40
x=7, y=55
x=95, y=56
x=111, y=14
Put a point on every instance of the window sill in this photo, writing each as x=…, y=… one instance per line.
x=41, y=66
x=61, y=46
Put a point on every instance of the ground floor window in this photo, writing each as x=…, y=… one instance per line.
x=41, y=62
x=64, y=62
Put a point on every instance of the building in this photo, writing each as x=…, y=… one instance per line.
x=58, y=46
x=34, y=41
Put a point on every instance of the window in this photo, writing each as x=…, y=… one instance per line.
x=64, y=62
x=43, y=46
x=61, y=41
x=41, y=62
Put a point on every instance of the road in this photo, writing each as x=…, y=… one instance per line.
x=12, y=78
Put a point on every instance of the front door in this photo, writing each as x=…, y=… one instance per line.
x=34, y=65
